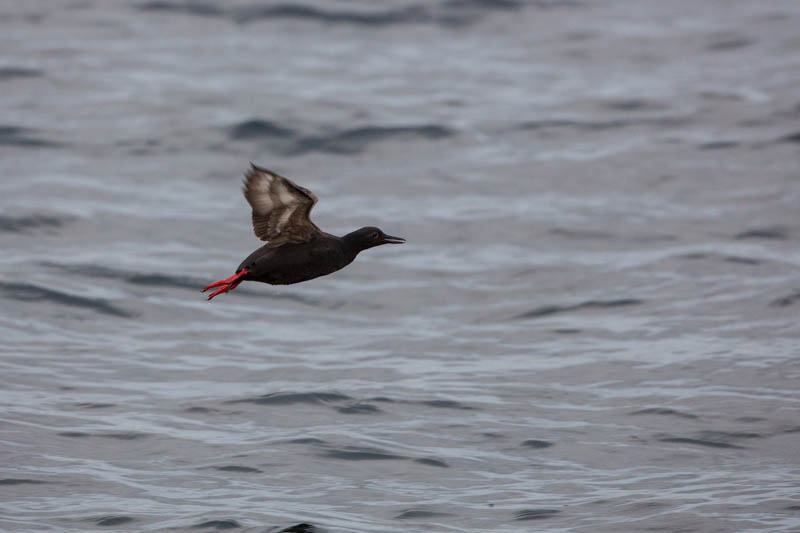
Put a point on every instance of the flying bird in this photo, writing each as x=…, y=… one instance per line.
x=296, y=250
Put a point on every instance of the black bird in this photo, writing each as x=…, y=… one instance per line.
x=296, y=250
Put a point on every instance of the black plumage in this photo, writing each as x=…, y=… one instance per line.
x=296, y=250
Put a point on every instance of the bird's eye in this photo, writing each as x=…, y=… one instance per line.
x=374, y=235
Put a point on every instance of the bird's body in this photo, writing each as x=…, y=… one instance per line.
x=297, y=250
x=293, y=263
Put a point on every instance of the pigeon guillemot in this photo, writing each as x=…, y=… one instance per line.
x=296, y=249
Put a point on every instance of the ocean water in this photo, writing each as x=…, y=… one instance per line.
x=594, y=324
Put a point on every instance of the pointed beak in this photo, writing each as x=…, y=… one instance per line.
x=388, y=239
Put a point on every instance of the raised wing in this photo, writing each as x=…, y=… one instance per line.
x=281, y=208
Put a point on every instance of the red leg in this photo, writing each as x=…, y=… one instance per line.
x=227, y=281
x=226, y=288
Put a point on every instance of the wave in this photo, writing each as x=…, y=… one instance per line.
x=11, y=72
x=23, y=137
x=25, y=223
x=590, y=304
x=290, y=142
x=452, y=13
x=28, y=292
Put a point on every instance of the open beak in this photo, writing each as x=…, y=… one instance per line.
x=388, y=239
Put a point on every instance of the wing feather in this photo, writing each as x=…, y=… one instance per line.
x=281, y=208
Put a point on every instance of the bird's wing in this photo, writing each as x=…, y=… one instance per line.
x=281, y=208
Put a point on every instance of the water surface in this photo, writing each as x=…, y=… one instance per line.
x=592, y=327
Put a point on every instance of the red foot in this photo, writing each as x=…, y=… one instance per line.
x=227, y=284
x=226, y=288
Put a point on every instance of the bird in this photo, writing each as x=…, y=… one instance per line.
x=296, y=249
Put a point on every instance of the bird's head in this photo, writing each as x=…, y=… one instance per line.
x=371, y=236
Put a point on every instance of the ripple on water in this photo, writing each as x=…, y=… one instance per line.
x=308, y=440
x=90, y=405
x=453, y=13
x=240, y=469
x=535, y=514
x=417, y=513
x=359, y=409
x=219, y=525
x=446, y=404
x=430, y=461
x=303, y=528
x=29, y=223
x=291, y=398
x=537, y=444
x=23, y=138
x=790, y=138
x=663, y=411
x=117, y=436
x=109, y=521
x=360, y=453
x=28, y=292
x=547, y=310
x=289, y=142
x=712, y=439
x=12, y=72
x=771, y=232
x=789, y=299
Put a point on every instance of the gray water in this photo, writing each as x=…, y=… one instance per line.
x=592, y=327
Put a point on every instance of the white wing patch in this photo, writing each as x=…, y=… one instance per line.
x=284, y=218
x=281, y=208
x=283, y=194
